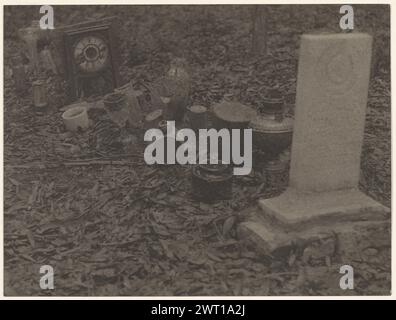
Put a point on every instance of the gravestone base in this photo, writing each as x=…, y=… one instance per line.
x=320, y=250
x=330, y=220
x=294, y=208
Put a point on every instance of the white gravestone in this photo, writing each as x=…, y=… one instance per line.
x=332, y=88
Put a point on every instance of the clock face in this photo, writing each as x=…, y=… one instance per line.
x=91, y=53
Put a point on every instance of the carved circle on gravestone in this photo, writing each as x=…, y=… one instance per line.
x=336, y=70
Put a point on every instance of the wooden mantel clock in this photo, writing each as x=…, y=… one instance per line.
x=91, y=59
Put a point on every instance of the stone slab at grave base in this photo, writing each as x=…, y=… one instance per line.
x=319, y=250
x=324, y=222
x=316, y=255
x=295, y=208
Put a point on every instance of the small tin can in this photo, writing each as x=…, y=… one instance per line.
x=40, y=100
x=197, y=117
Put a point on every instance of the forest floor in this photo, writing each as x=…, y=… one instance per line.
x=133, y=229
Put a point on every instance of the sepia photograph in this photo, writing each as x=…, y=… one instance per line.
x=196, y=151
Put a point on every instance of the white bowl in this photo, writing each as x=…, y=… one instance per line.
x=76, y=117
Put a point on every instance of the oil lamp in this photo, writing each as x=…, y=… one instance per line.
x=272, y=134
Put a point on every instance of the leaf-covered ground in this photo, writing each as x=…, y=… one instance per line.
x=115, y=226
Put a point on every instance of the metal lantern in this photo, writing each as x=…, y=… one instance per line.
x=272, y=135
x=212, y=182
x=272, y=131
